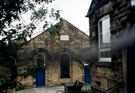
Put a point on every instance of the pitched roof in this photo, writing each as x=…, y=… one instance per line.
x=71, y=26
x=59, y=24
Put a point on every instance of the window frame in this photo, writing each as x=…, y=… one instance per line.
x=69, y=64
x=103, y=59
x=132, y=3
x=44, y=58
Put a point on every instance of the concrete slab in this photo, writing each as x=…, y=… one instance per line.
x=42, y=90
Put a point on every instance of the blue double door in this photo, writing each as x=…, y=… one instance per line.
x=87, y=76
x=40, y=78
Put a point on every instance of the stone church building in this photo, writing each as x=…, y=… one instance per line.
x=62, y=56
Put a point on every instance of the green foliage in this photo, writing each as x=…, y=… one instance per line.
x=39, y=13
x=31, y=71
x=11, y=41
x=13, y=38
x=6, y=80
x=53, y=31
x=10, y=10
x=55, y=14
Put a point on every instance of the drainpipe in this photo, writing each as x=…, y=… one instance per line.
x=124, y=58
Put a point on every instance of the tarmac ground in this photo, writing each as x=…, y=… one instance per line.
x=42, y=90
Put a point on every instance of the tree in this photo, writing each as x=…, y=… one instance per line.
x=10, y=10
x=13, y=37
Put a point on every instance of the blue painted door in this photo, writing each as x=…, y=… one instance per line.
x=87, y=76
x=40, y=78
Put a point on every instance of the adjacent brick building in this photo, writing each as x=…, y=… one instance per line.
x=62, y=55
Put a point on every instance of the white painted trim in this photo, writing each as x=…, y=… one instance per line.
x=106, y=49
x=103, y=18
x=132, y=2
x=105, y=60
x=64, y=37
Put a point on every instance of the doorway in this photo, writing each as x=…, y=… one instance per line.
x=87, y=75
x=40, y=78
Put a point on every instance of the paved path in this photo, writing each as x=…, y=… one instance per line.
x=42, y=90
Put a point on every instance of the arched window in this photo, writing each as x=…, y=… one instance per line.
x=40, y=59
x=64, y=66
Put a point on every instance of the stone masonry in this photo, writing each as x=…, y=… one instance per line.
x=53, y=47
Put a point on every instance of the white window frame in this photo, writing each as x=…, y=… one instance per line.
x=132, y=2
x=103, y=59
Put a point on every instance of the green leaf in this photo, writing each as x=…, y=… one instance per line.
x=57, y=14
x=45, y=25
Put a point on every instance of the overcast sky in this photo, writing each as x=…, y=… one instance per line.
x=74, y=11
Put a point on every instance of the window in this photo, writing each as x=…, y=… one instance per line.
x=40, y=59
x=104, y=39
x=132, y=2
x=64, y=66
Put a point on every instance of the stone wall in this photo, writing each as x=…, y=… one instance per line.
x=106, y=76
x=53, y=74
x=52, y=47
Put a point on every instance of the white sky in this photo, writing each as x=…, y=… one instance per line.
x=74, y=11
